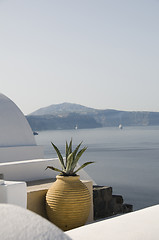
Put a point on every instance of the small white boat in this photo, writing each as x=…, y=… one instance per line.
x=120, y=126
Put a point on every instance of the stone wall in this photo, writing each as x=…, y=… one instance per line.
x=106, y=204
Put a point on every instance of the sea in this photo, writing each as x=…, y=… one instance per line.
x=126, y=159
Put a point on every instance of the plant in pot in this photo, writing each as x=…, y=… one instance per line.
x=68, y=200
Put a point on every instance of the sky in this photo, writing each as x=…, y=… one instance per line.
x=98, y=53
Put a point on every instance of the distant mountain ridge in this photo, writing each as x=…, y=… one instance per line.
x=63, y=108
x=70, y=115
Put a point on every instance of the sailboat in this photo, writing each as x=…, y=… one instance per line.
x=120, y=126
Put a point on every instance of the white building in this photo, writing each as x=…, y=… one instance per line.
x=20, y=158
x=17, y=141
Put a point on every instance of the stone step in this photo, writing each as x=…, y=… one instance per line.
x=106, y=204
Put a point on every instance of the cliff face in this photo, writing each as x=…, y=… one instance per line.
x=114, y=118
x=68, y=116
x=71, y=121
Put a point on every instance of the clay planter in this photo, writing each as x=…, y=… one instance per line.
x=68, y=202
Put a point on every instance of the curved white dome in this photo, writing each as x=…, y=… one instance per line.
x=17, y=142
x=14, y=128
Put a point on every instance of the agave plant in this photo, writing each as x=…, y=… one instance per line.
x=71, y=160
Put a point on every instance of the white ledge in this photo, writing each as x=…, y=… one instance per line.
x=30, y=170
x=139, y=225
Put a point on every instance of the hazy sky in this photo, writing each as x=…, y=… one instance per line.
x=98, y=53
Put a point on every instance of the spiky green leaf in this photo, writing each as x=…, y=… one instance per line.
x=59, y=156
x=71, y=159
x=66, y=152
x=70, y=147
x=76, y=149
x=55, y=169
x=75, y=161
x=69, y=163
x=83, y=165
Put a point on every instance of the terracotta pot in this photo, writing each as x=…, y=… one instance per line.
x=68, y=202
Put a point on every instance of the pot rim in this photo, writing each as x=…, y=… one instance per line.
x=67, y=177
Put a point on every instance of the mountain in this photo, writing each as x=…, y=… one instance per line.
x=63, y=108
x=69, y=115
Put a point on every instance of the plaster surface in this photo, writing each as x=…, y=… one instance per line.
x=14, y=128
x=20, y=224
x=13, y=193
x=34, y=169
x=142, y=224
x=17, y=141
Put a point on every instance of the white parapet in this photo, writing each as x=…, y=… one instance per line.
x=142, y=224
x=20, y=153
x=13, y=193
x=30, y=170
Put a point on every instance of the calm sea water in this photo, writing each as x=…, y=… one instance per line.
x=127, y=159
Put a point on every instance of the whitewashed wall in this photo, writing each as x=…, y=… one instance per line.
x=17, y=141
x=30, y=170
